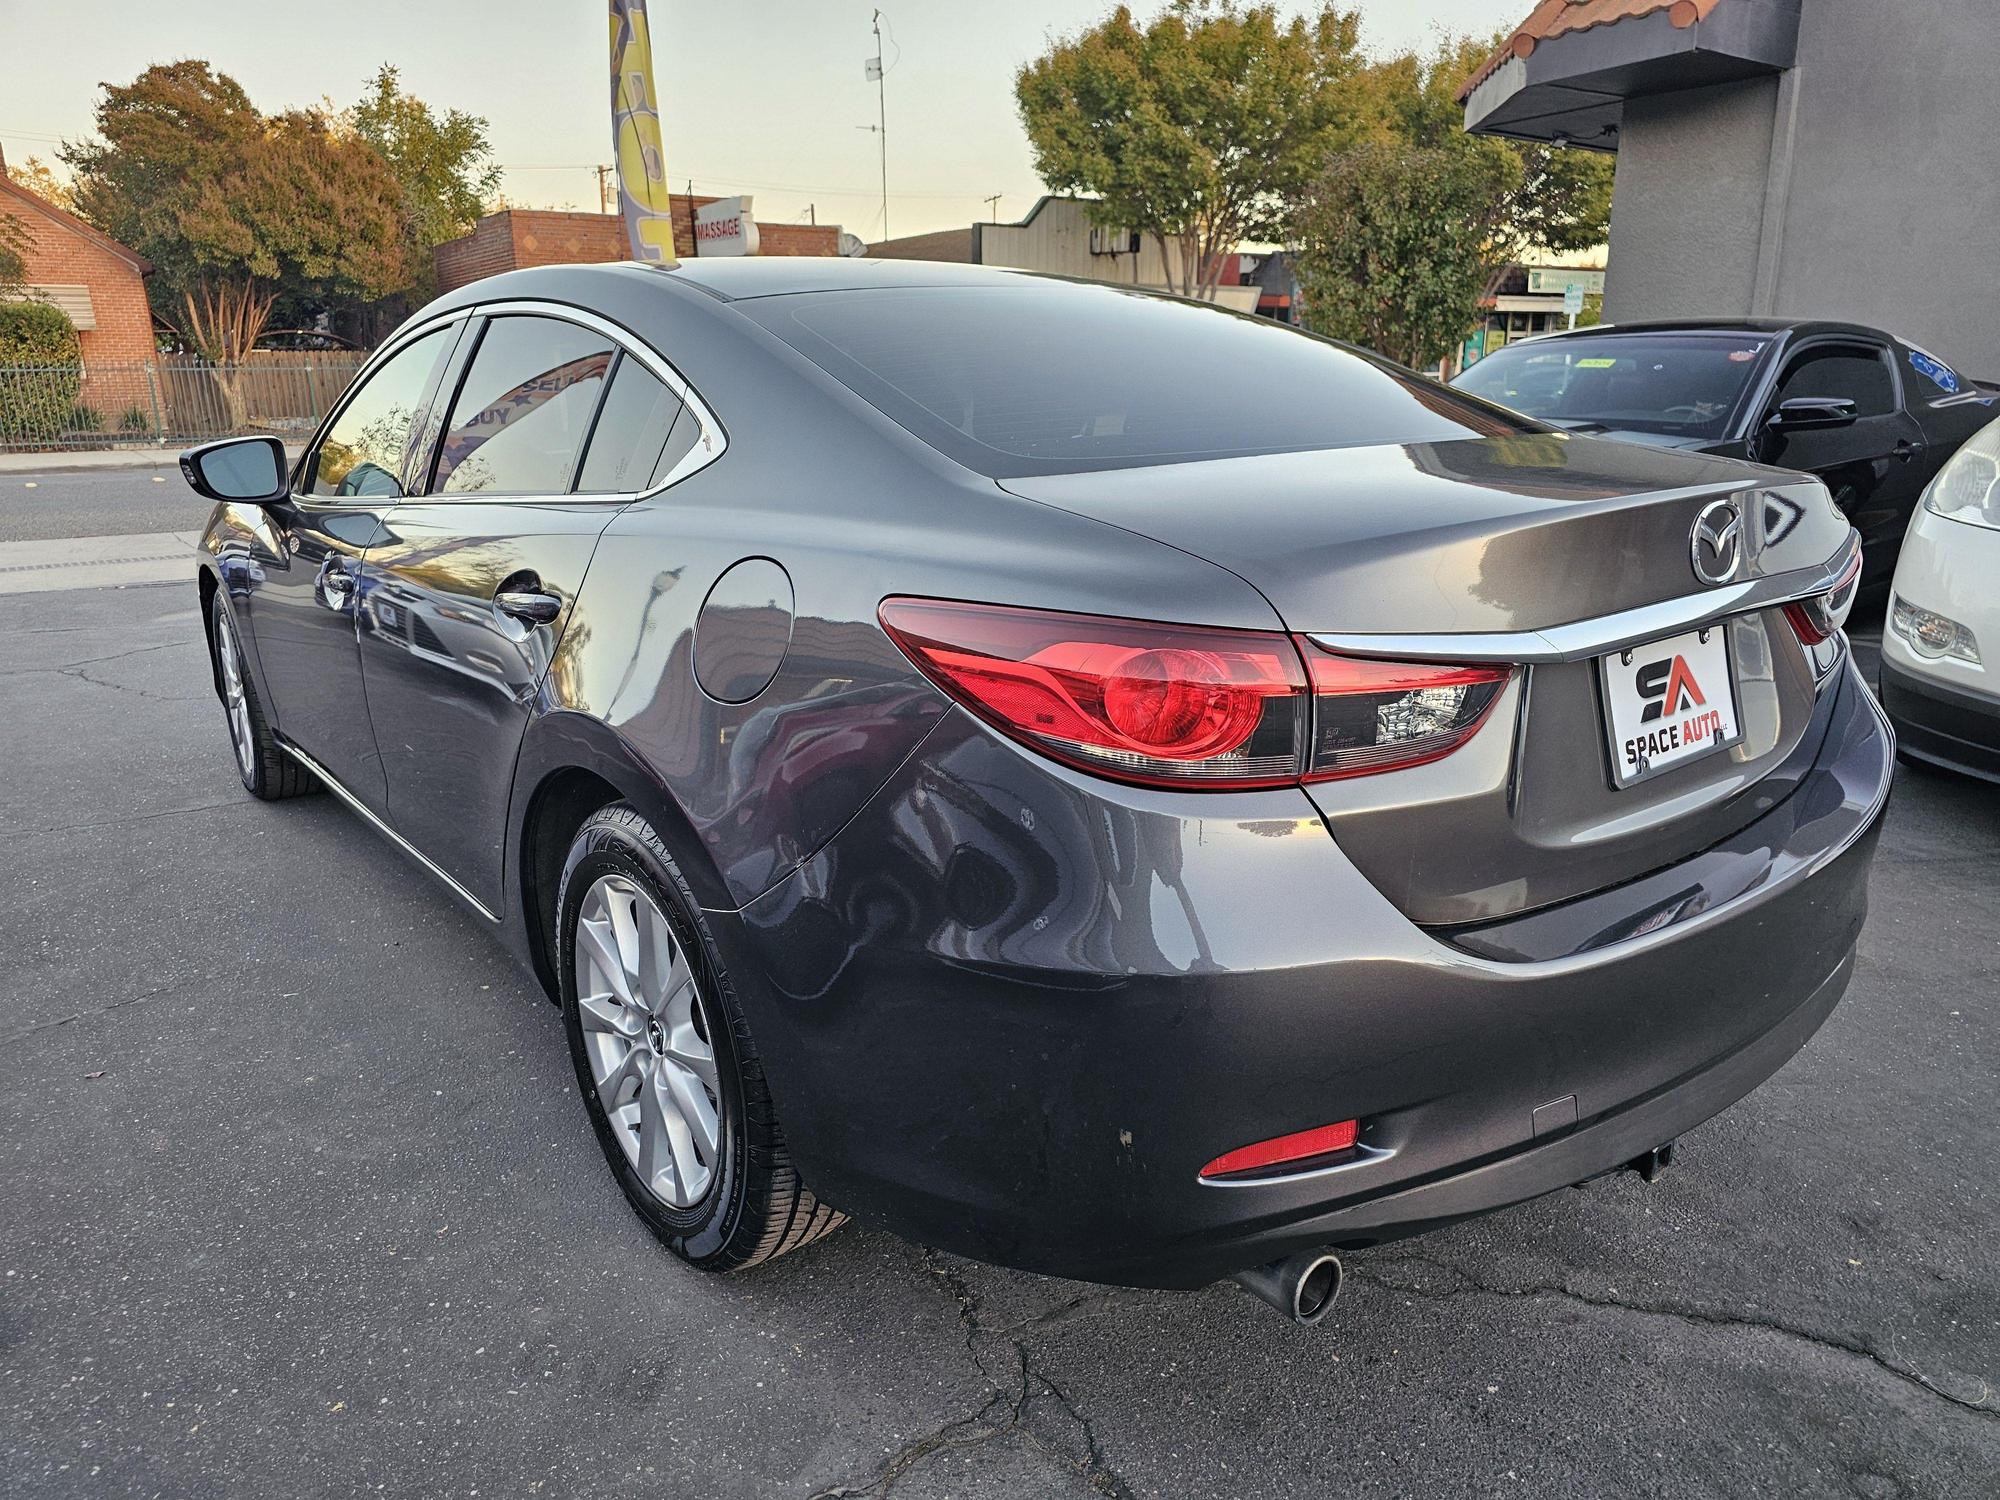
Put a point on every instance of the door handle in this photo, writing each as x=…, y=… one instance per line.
x=531, y=605
x=1907, y=450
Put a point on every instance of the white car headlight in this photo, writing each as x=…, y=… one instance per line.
x=1968, y=487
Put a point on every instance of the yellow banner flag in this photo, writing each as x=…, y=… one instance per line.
x=635, y=130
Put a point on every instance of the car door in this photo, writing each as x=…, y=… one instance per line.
x=1868, y=463
x=469, y=591
x=302, y=610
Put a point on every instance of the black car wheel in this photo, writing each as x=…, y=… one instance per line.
x=266, y=770
x=664, y=1060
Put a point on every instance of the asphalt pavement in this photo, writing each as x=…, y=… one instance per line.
x=297, y=1198
x=37, y=504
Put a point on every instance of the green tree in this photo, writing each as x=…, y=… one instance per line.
x=442, y=163
x=40, y=370
x=1401, y=236
x=236, y=209
x=1197, y=128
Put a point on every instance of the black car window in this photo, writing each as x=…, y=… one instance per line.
x=686, y=433
x=523, y=408
x=1675, y=384
x=363, y=451
x=1051, y=376
x=638, y=414
x=1848, y=372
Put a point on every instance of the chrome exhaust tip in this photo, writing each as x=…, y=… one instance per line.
x=1303, y=1287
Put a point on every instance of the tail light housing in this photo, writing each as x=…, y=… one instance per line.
x=1177, y=705
x=1819, y=617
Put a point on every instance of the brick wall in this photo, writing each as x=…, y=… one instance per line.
x=58, y=251
x=519, y=237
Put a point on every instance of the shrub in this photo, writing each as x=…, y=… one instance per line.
x=134, y=419
x=83, y=417
x=40, y=371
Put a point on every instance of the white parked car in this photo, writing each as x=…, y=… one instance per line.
x=1941, y=649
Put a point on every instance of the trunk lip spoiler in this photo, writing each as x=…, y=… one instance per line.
x=1580, y=640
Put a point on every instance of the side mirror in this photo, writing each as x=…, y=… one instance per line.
x=243, y=470
x=1812, y=411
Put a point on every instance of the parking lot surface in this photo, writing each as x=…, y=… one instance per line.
x=297, y=1198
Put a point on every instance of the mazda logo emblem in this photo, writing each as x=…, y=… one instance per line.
x=1716, y=548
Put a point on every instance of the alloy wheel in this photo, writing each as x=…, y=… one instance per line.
x=235, y=699
x=646, y=1033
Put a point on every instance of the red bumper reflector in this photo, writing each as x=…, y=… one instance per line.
x=1323, y=1140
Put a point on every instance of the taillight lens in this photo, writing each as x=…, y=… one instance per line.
x=1371, y=716
x=1156, y=704
x=1287, y=1151
x=1178, y=705
x=1820, y=617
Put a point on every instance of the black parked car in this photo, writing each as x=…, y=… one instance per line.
x=1872, y=415
x=1087, y=780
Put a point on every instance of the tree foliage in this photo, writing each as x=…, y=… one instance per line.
x=40, y=371
x=237, y=209
x=1402, y=235
x=442, y=164
x=1197, y=128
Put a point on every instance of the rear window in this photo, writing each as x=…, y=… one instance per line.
x=1686, y=385
x=1053, y=377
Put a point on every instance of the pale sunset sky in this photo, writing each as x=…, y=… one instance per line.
x=764, y=97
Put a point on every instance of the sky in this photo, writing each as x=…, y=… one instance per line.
x=764, y=97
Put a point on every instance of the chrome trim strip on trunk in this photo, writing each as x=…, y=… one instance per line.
x=368, y=816
x=1582, y=639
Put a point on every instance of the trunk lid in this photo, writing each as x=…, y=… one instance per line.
x=1541, y=540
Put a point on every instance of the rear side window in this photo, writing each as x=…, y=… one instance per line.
x=1050, y=377
x=364, y=449
x=632, y=430
x=1845, y=371
x=523, y=408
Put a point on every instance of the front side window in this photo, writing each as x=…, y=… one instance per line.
x=638, y=416
x=523, y=408
x=1842, y=372
x=364, y=450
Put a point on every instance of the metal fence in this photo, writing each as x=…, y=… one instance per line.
x=169, y=401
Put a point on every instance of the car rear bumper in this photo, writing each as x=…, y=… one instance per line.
x=1012, y=1011
x=1941, y=725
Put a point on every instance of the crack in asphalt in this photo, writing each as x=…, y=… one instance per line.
x=225, y=805
x=1006, y=1412
x=1699, y=1317
x=102, y=1010
x=92, y=661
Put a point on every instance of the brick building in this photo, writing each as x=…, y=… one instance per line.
x=86, y=273
x=518, y=237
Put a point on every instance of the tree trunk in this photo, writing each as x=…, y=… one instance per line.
x=225, y=320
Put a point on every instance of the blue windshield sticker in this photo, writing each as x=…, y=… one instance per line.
x=1936, y=371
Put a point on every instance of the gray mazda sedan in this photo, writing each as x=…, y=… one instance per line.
x=1086, y=780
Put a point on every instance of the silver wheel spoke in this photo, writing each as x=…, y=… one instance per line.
x=645, y=1030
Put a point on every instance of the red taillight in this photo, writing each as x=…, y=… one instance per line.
x=1175, y=705
x=1324, y=1140
x=1158, y=704
x=1820, y=617
x=1371, y=716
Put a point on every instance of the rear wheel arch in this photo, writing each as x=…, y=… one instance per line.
x=571, y=766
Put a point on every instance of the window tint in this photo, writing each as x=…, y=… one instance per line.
x=364, y=449
x=1684, y=384
x=1049, y=377
x=1843, y=371
x=632, y=429
x=523, y=408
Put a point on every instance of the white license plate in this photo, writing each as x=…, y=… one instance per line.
x=1669, y=702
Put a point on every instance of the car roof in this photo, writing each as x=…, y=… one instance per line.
x=737, y=277
x=1799, y=326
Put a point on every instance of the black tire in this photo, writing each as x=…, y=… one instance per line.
x=267, y=772
x=755, y=1207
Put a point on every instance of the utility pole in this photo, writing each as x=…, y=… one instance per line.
x=603, y=190
x=993, y=207
x=882, y=120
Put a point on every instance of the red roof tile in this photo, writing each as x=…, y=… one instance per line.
x=1552, y=18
